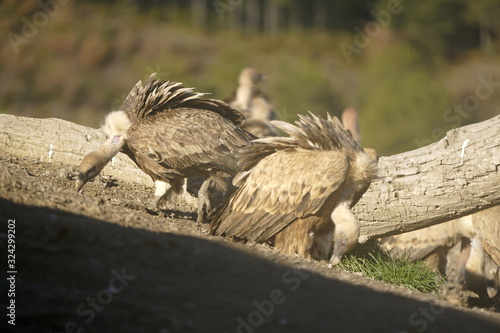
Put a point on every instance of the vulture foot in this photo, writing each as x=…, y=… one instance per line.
x=203, y=201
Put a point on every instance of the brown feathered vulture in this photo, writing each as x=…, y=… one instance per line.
x=254, y=104
x=171, y=132
x=247, y=90
x=297, y=191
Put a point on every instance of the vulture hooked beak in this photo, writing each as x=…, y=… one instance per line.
x=80, y=182
x=90, y=167
x=335, y=260
x=84, y=177
x=339, y=249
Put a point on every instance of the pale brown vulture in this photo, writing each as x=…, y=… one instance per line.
x=298, y=190
x=171, y=133
x=479, y=234
x=254, y=104
x=430, y=244
x=486, y=239
x=487, y=227
x=351, y=123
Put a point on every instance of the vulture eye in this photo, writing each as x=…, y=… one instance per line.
x=92, y=172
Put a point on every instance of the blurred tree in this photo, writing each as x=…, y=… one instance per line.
x=252, y=14
x=485, y=13
x=437, y=29
x=236, y=15
x=271, y=16
x=199, y=14
x=320, y=16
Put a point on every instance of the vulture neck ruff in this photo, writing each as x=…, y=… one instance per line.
x=116, y=126
x=243, y=95
x=117, y=123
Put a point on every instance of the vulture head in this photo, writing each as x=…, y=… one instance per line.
x=115, y=127
x=250, y=77
x=346, y=234
x=91, y=166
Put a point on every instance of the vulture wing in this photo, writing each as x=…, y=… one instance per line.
x=418, y=244
x=160, y=96
x=185, y=138
x=282, y=187
x=487, y=227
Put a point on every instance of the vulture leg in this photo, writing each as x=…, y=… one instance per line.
x=203, y=200
x=190, y=199
x=164, y=191
x=474, y=270
x=465, y=249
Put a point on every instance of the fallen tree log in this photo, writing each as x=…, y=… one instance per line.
x=456, y=176
x=56, y=140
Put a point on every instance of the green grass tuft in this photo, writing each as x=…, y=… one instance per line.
x=398, y=271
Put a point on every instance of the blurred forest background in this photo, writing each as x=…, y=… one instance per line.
x=412, y=69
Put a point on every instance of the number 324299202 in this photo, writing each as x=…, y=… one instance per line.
x=11, y=247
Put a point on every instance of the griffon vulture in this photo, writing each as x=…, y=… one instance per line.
x=298, y=190
x=171, y=132
x=486, y=224
x=255, y=105
x=479, y=234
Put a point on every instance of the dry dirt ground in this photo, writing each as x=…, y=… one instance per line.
x=99, y=262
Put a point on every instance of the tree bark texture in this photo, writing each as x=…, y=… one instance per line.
x=55, y=140
x=456, y=176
